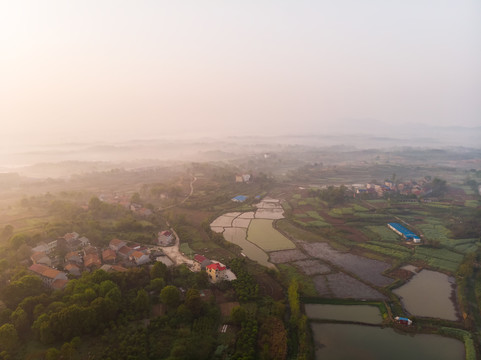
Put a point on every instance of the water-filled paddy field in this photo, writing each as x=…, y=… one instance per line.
x=238, y=236
x=430, y=294
x=262, y=233
x=361, y=342
x=358, y=313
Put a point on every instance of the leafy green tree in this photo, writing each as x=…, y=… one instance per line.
x=52, y=354
x=193, y=301
x=8, y=338
x=16, y=291
x=158, y=270
x=19, y=319
x=142, y=303
x=170, y=296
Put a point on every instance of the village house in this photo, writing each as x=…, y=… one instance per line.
x=125, y=251
x=59, y=284
x=112, y=268
x=46, y=247
x=73, y=269
x=109, y=255
x=73, y=257
x=41, y=258
x=48, y=274
x=139, y=258
x=92, y=261
x=164, y=260
x=202, y=260
x=69, y=237
x=165, y=238
x=116, y=244
x=215, y=271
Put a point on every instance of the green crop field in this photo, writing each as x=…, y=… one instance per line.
x=390, y=250
x=439, y=258
x=385, y=233
x=337, y=212
x=472, y=203
x=262, y=234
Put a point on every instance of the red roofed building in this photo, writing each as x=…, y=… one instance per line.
x=139, y=258
x=125, y=252
x=47, y=274
x=92, y=261
x=59, y=284
x=116, y=244
x=109, y=256
x=215, y=271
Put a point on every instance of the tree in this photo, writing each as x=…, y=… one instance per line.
x=159, y=270
x=142, y=303
x=293, y=296
x=19, y=319
x=8, y=338
x=52, y=354
x=170, y=296
x=193, y=301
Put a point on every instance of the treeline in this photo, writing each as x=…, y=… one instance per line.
x=333, y=195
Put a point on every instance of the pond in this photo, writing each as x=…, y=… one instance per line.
x=429, y=294
x=358, y=313
x=361, y=342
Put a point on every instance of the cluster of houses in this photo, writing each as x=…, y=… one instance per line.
x=124, y=201
x=215, y=270
x=81, y=256
x=242, y=178
x=404, y=188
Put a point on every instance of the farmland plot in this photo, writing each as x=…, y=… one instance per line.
x=340, y=285
x=217, y=229
x=222, y=221
x=270, y=214
x=312, y=267
x=266, y=237
x=238, y=236
x=367, y=269
x=241, y=223
x=246, y=215
x=285, y=256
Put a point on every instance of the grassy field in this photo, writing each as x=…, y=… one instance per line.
x=262, y=234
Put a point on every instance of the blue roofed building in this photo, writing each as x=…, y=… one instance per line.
x=407, y=234
x=239, y=198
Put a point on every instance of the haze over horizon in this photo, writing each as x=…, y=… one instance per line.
x=116, y=71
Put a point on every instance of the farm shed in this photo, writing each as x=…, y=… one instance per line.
x=408, y=235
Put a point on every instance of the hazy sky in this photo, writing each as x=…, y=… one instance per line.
x=144, y=69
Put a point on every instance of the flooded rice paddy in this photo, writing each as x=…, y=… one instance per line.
x=238, y=236
x=358, y=313
x=429, y=294
x=367, y=269
x=262, y=233
x=343, y=286
x=346, y=341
